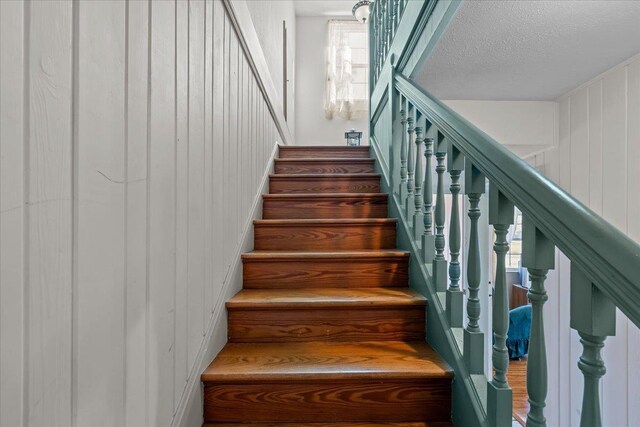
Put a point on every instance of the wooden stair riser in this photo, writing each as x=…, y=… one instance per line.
x=319, y=236
x=329, y=166
x=323, y=401
x=323, y=152
x=335, y=324
x=299, y=184
x=356, y=206
x=314, y=273
x=338, y=424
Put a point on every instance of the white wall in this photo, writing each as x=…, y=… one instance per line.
x=267, y=19
x=528, y=128
x=598, y=163
x=312, y=128
x=134, y=143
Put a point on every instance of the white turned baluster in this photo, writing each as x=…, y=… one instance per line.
x=498, y=392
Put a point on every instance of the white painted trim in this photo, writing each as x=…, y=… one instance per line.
x=188, y=410
x=243, y=24
x=599, y=77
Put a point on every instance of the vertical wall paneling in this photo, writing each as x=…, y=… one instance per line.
x=136, y=210
x=12, y=138
x=100, y=207
x=196, y=175
x=595, y=147
x=218, y=144
x=49, y=274
x=161, y=304
x=613, y=144
x=133, y=143
x=208, y=167
x=182, y=198
x=614, y=210
x=633, y=221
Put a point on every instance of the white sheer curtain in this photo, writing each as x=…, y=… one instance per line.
x=346, y=86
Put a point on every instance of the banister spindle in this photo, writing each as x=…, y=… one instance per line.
x=593, y=315
x=454, y=301
x=396, y=16
x=409, y=203
x=439, y=263
x=403, y=152
x=538, y=256
x=498, y=392
x=474, y=186
x=428, y=239
x=418, y=217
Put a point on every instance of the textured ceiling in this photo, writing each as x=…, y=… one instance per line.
x=324, y=7
x=530, y=50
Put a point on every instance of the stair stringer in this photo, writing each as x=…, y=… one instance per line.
x=439, y=335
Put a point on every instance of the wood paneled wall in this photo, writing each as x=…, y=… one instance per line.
x=134, y=141
x=598, y=162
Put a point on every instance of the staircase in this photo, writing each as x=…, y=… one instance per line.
x=326, y=331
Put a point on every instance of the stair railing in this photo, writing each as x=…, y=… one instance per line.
x=605, y=264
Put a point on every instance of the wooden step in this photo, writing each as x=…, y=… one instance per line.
x=297, y=206
x=325, y=183
x=351, y=424
x=329, y=166
x=324, y=234
x=327, y=382
x=326, y=314
x=339, y=269
x=316, y=152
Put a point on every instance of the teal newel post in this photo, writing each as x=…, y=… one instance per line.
x=474, y=184
x=418, y=217
x=593, y=315
x=409, y=203
x=538, y=256
x=428, y=239
x=403, y=153
x=439, y=263
x=498, y=391
x=455, y=297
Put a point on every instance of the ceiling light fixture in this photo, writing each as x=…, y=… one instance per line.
x=361, y=11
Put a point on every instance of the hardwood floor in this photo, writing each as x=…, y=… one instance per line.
x=326, y=332
x=517, y=377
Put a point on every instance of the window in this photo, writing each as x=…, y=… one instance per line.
x=514, y=256
x=347, y=77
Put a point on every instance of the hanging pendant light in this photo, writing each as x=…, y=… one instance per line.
x=361, y=11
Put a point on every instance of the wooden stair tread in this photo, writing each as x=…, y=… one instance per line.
x=337, y=424
x=324, y=221
x=323, y=151
x=326, y=159
x=324, y=298
x=322, y=175
x=293, y=255
x=326, y=196
x=326, y=361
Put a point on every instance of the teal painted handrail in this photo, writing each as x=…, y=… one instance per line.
x=607, y=256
